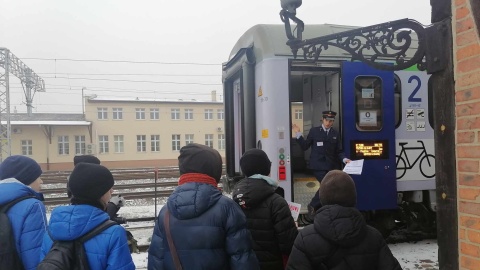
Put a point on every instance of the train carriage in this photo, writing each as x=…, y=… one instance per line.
x=384, y=118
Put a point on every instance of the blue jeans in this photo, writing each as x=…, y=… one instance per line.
x=315, y=202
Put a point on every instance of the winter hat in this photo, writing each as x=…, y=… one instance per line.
x=255, y=161
x=197, y=158
x=22, y=168
x=337, y=187
x=90, y=182
x=86, y=159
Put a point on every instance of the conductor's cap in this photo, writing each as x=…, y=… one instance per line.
x=329, y=115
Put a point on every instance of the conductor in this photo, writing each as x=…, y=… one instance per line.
x=326, y=153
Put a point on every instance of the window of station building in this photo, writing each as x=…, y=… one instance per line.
x=103, y=144
x=221, y=141
x=208, y=114
x=298, y=114
x=368, y=103
x=175, y=142
x=102, y=113
x=220, y=114
x=209, y=140
x=80, y=145
x=155, y=143
x=175, y=114
x=188, y=139
x=188, y=114
x=118, y=143
x=63, y=145
x=27, y=147
x=141, y=143
x=117, y=113
x=154, y=113
x=140, y=113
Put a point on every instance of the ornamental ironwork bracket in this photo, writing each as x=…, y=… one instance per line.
x=378, y=44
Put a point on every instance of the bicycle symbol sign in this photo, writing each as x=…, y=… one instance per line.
x=427, y=161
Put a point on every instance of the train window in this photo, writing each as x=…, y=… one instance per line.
x=398, y=100
x=368, y=103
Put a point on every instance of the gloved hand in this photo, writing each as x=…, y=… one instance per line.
x=120, y=220
x=118, y=200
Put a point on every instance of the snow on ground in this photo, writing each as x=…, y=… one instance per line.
x=422, y=255
x=412, y=256
x=417, y=255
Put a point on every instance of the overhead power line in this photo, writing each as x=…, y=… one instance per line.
x=118, y=61
x=67, y=89
x=132, y=81
x=90, y=87
x=94, y=90
x=130, y=74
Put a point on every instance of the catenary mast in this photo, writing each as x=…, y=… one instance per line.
x=31, y=84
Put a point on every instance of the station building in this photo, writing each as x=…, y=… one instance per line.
x=122, y=133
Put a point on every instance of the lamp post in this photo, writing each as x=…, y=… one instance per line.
x=83, y=101
x=373, y=44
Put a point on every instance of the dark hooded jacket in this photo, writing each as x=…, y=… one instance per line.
x=340, y=239
x=269, y=220
x=208, y=229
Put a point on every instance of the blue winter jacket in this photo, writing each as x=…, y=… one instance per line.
x=208, y=229
x=108, y=250
x=28, y=220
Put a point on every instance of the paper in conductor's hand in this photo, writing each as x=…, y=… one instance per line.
x=354, y=167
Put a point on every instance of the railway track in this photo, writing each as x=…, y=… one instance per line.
x=135, y=180
x=128, y=196
x=118, y=187
x=55, y=177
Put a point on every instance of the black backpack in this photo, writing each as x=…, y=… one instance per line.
x=9, y=258
x=70, y=255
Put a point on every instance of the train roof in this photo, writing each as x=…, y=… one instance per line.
x=269, y=41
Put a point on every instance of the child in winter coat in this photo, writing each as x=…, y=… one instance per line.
x=268, y=215
x=20, y=177
x=339, y=238
x=92, y=187
x=207, y=229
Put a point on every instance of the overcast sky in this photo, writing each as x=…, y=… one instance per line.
x=187, y=39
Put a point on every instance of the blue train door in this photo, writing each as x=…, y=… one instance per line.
x=368, y=125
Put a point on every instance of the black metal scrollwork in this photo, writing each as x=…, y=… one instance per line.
x=374, y=45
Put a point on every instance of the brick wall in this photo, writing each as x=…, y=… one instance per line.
x=466, y=54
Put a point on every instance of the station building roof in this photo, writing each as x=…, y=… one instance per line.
x=51, y=119
x=148, y=100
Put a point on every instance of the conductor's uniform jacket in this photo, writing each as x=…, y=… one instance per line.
x=326, y=153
